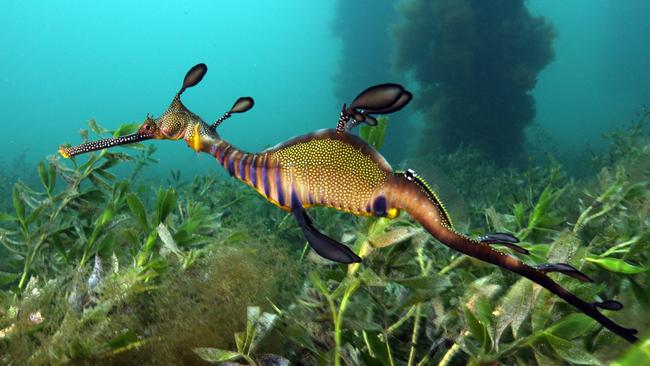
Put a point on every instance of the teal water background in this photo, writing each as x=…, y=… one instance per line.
x=117, y=61
x=600, y=77
x=66, y=62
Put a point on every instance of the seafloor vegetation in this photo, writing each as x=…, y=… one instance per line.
x=96, y=269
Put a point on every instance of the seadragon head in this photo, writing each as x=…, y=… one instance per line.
x=176, y=123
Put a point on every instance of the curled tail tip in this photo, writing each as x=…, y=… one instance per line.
x=630, y=335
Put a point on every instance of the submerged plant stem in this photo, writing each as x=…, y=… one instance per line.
x=338, y=320
x=414, y=336
x=424, y=271
x=455, y=263
x=401, y=320
x=28, y=264
x=446, y=359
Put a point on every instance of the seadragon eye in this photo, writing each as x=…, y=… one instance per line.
x=409, y=174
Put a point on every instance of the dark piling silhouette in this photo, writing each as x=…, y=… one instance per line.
x=476, y=63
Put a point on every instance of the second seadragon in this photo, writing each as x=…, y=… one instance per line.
x=337, y=169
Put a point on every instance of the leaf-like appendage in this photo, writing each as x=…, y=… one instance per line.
x=242, y=105
x=194, y=76
x=378, y=97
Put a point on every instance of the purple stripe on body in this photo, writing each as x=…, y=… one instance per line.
x=224, y=153
x=252, y=171
x=242, y=171
x=265, y=179
x=278, y=183
x=295, y=201
x=231, y=164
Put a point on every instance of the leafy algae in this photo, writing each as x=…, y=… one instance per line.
x=180, y=266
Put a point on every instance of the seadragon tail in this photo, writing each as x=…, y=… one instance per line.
x=409, y=193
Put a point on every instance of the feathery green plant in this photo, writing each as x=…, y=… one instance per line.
x=185, y=263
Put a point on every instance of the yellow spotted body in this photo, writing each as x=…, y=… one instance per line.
x=331, y=171
x=324, y=168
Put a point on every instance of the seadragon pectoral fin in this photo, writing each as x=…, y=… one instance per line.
x=505, y=239
x=499, y=238
x=566, y=269
x=325, y=246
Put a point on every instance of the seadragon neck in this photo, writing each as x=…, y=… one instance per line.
x=258, y=170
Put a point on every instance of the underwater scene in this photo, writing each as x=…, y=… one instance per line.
x=345, y=182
